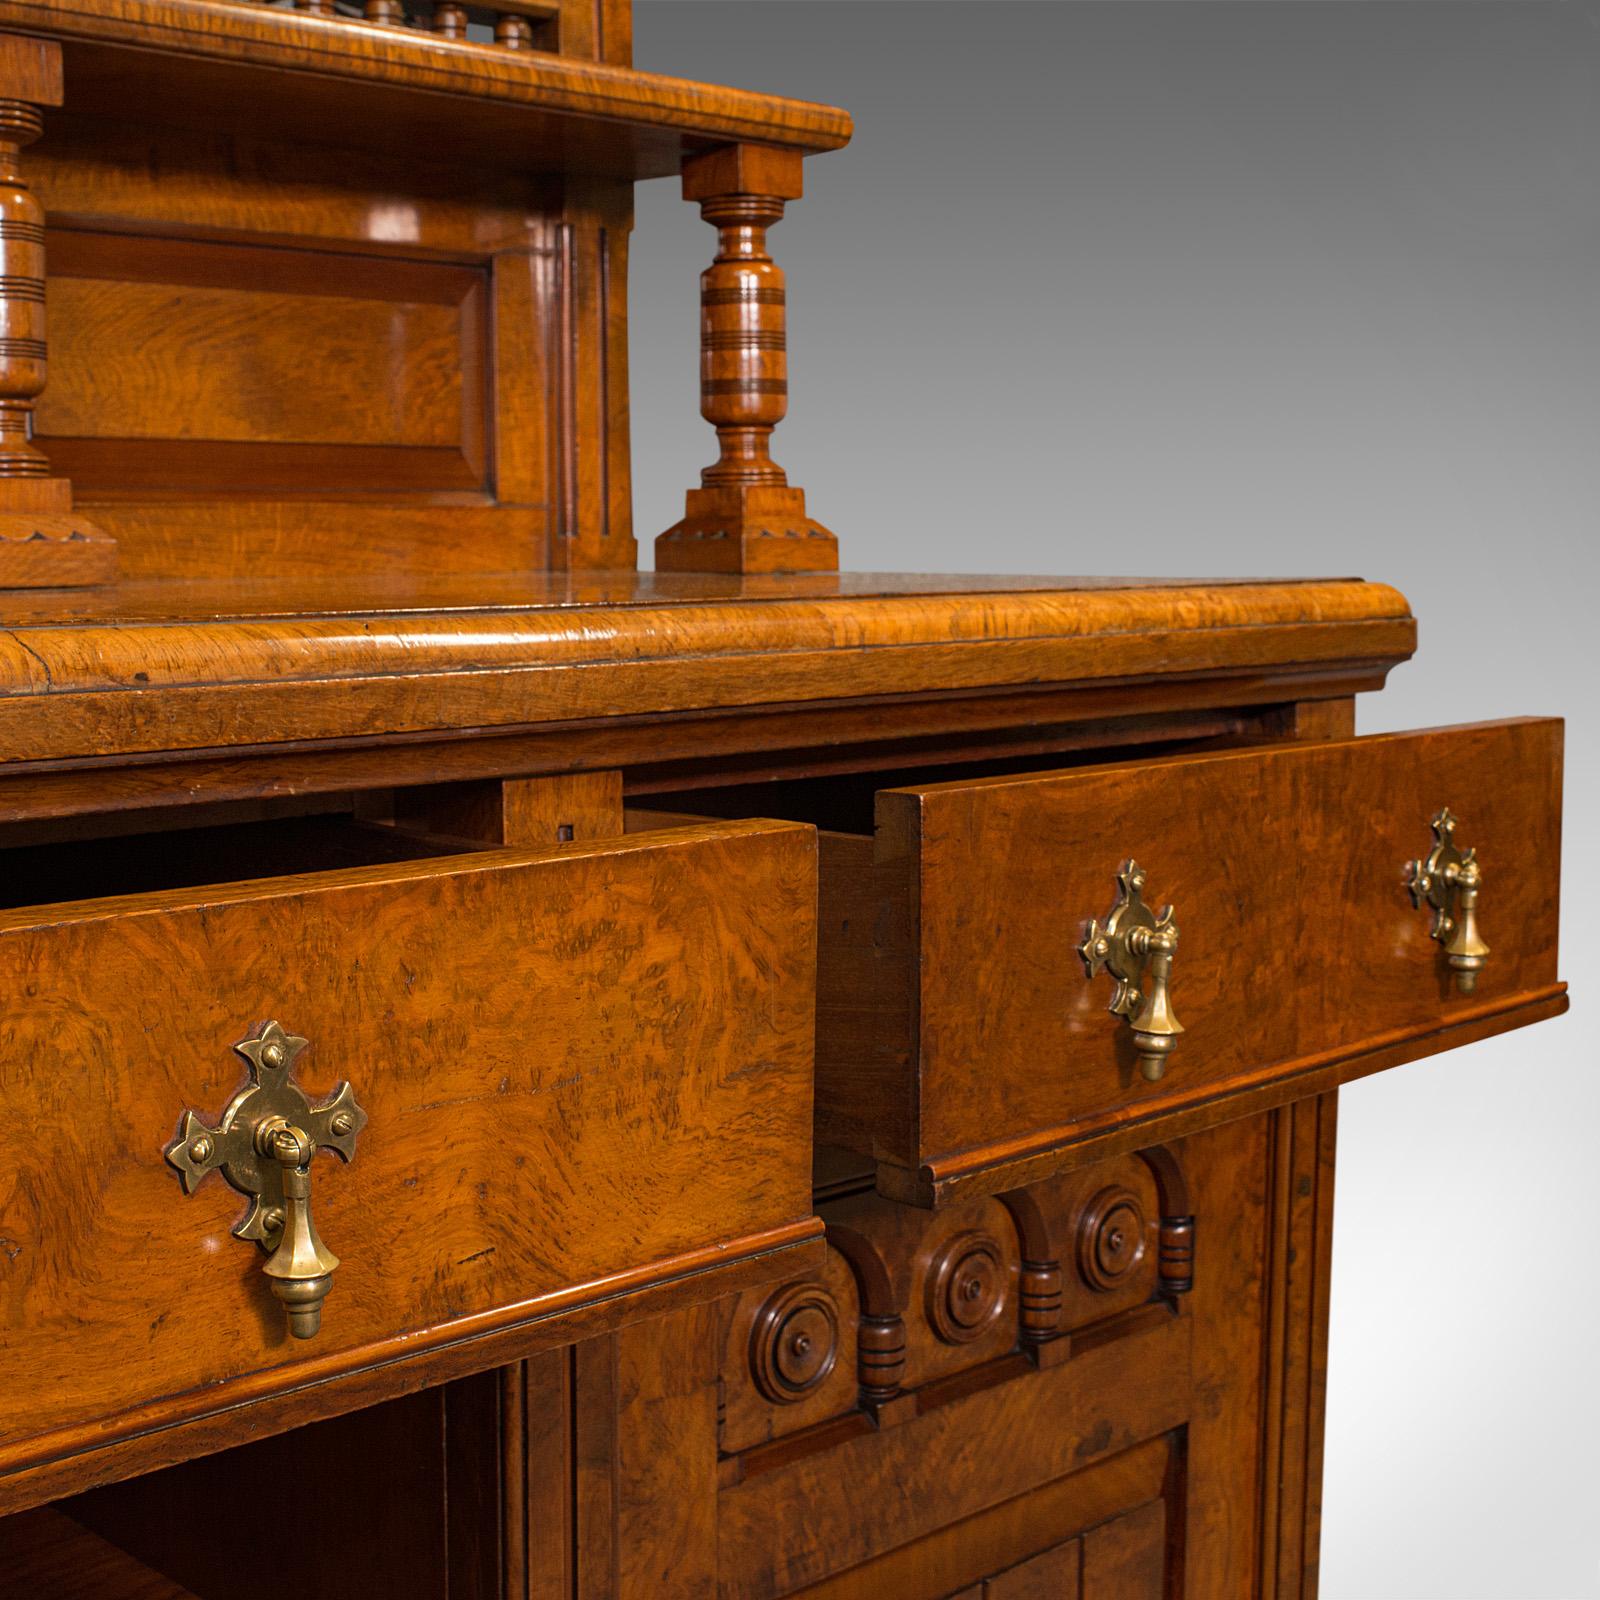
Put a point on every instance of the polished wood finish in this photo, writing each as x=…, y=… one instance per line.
x=212, y=665
x=955, y=937
x=524, y=109
x=402, y=347
x=46, y=1555
x=42, y=544
x=745, y=516
x=379, y=732
x=423, y=1470
x=573, y=1105
x=1123, y=1456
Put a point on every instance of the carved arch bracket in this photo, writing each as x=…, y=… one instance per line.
x=1175, y=1240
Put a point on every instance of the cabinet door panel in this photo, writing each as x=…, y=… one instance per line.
x=1125, y=1559
x=1053, y=1575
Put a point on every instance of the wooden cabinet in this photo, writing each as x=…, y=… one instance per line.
x=729, y=1207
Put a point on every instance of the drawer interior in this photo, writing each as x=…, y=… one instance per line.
x=185, y=858
x=844, y=803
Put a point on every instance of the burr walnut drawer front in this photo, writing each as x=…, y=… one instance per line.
x=971, y=953
x=578, y=1088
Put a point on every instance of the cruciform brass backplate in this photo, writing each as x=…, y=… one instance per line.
x=263, y=1145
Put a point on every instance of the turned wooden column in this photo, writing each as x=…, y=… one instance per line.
x=746, y=516
x=42, y=544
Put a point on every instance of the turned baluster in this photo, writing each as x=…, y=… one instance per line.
x=745, y=516
x=22, y=342
x=450, y=21
x=514, y=32
x=316, y=8
x=392, y=12
x=42, y=545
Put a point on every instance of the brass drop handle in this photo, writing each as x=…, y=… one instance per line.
x=1137, y=946
x=263, y=1145
x=301, y=1268
x=1447, y=881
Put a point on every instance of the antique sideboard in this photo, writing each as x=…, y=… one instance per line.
x=522, y=1077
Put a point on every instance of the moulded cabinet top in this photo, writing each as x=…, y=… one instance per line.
x=222, y=66
x=191, y=664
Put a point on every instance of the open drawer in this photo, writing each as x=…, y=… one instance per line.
x=580, y=1091
x=963, y=1044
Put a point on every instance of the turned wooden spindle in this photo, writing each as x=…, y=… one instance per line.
x=450, y=21
x=42, y=544
x=22, y=342
x=317, y=8
x=512, y=31
x=392, y=12
x=745, y=517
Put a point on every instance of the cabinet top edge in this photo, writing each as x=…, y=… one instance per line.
x=157, y=668
x=400, y=598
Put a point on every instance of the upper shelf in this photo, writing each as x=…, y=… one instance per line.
x=255, y=70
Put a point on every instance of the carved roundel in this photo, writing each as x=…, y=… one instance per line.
x=966, y=1286
x=1110, y=1238
x=795, y=1342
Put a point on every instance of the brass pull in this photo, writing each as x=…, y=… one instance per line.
x=263, y=1146
x=1447, y=881
x=1137, y=946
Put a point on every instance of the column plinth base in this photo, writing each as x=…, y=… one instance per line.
x=761, y=528
x=45, y=544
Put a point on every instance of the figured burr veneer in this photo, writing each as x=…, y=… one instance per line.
x=732, y=1207
x=586, y=1070
x=953, y=939
x=162, y=667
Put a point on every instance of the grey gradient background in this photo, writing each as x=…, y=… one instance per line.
x=1250, y=289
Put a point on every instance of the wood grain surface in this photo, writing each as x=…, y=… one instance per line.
x=222, y=64
x=956, y=1024
x=1153, y=1449
x=582, y=1066
x=90, y=680
x=45, y=1555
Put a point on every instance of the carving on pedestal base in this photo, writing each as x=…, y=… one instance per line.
x=44, y=544
x=756, y=529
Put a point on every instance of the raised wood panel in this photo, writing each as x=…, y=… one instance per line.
x=1125, y=1559
x=587, y=1072
x=183, y=366
x=1052, y=1575
x=944, y=1466
x=1006, y=1536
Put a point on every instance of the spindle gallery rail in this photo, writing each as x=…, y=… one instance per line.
x=510, y=24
